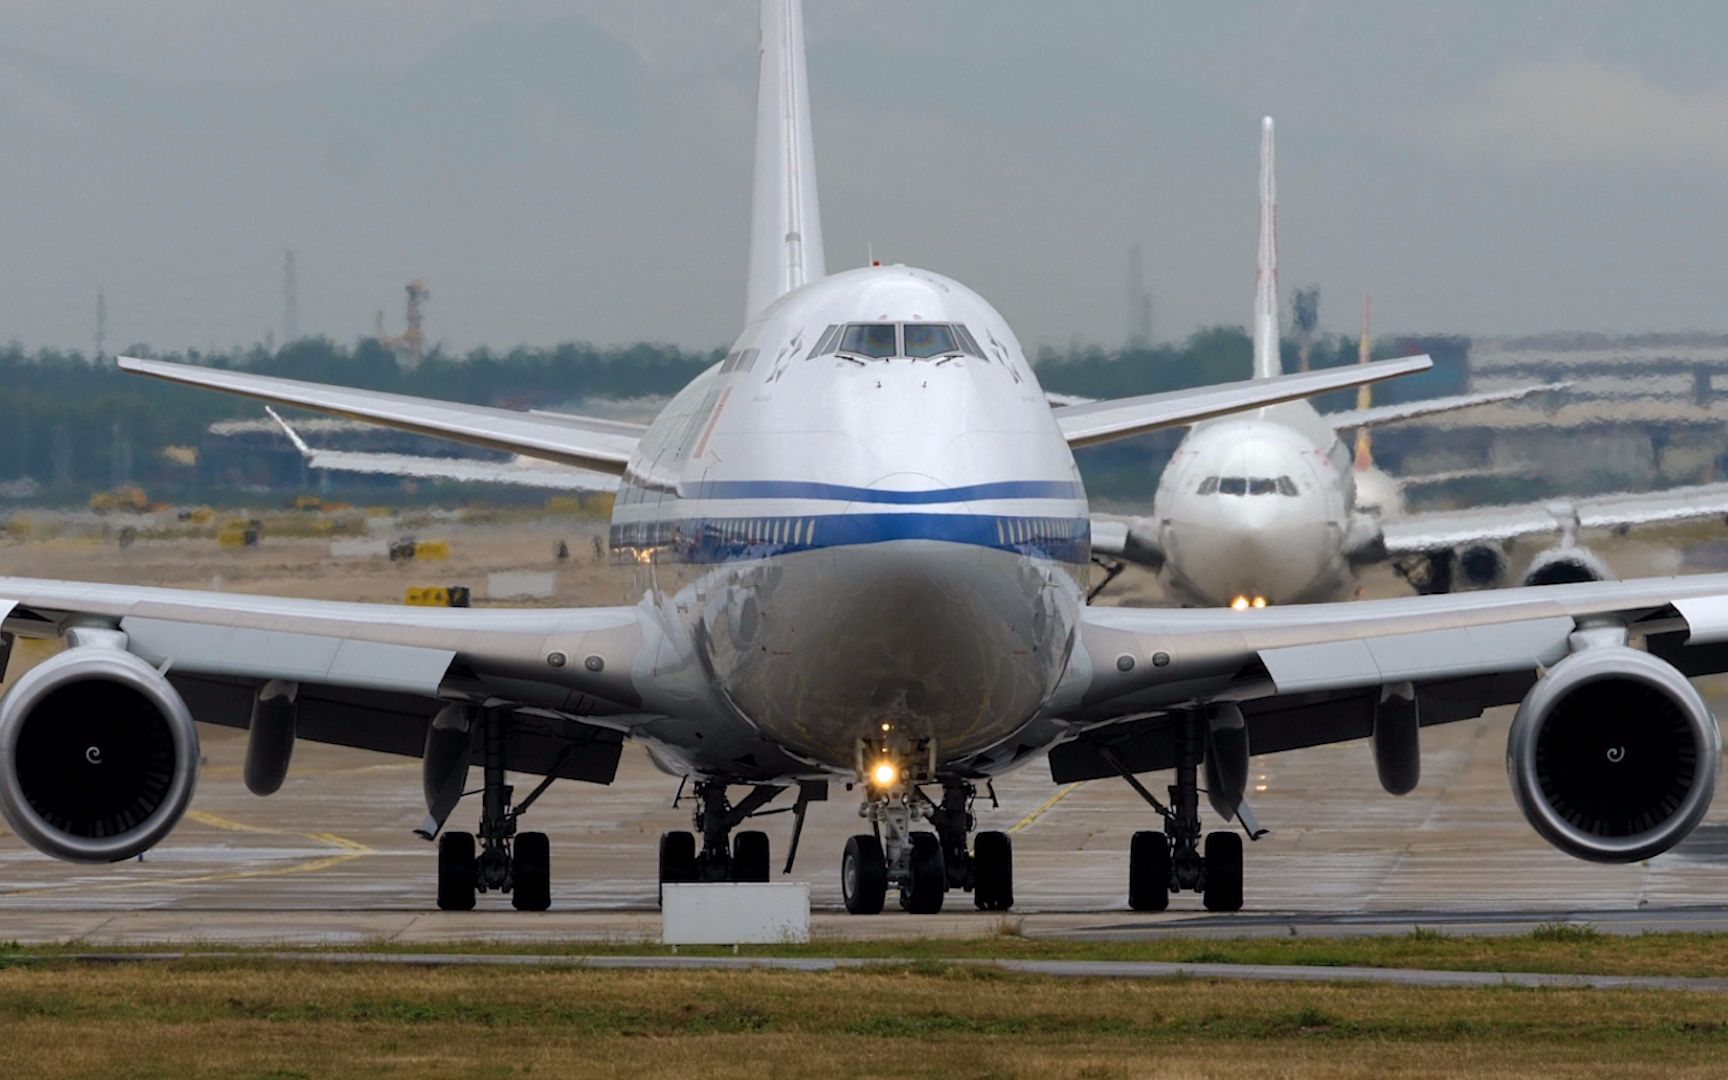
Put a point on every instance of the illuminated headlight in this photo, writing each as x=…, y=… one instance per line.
x=884, y=774
x=1259, y=601
x=1239, y=604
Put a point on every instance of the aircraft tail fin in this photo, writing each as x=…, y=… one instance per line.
x=1364, y=398
x=785, y=220
x=1266, y=360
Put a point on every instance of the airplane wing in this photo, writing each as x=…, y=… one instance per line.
x=1385, y=414
x=1132, y=539
x=1308, y=674
x=1425, y=532
x=552, y=477
x=602, y=445
x=1102, y=421
x=369, y=675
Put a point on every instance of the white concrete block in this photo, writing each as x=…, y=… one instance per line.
x=771, y=913
x=530, y=584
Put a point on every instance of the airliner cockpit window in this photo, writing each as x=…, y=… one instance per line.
x=927, y=340
x=1286, y=486
x=1262, y=485
x=1233, y=485
x=875, y=340
x=1207, y=486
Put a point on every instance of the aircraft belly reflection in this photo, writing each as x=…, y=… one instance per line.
x=938, y=640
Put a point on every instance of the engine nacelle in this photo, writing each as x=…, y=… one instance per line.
x=1613, y=755
x=1482, y=565
x=1567, y=566
x=98, y=753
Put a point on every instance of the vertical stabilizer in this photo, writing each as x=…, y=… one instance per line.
x=1266, y=361
x=785, y=222
x=1364, y=397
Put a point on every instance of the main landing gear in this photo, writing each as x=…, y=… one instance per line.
x=1174, y=860
x=924, y=866
x=725, y=857
x=506, y=861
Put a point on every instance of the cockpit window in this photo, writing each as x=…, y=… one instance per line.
x=1233, y=485
x=1262, y=486
x=1207, y=486
x=1286, y=486
x=883, y=341
x=925, y=340
x=875, y=340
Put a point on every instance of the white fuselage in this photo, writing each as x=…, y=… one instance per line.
x=836, y=546
x=1257, y=510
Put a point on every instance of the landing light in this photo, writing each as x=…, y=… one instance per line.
x=1259, y=601
x=1239, y=604
x=884, y=774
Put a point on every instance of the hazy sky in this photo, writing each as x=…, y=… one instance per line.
x=576, y=169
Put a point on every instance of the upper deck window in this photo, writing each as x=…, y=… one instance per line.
x=926, y=340
x=875, y=340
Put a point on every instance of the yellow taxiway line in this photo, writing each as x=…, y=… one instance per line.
x=1062, y=793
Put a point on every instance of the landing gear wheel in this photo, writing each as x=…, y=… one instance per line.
x=531, y=868
x=993, y=869
x=456, y=871
x=677, y=859
x=1149, y=872
x=750, y=856
x=927, y=876
x=864, y=876
x=1223, y=890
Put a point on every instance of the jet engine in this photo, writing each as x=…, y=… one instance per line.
x=1613, y=755
x=1482, y=565
x=98, y=753
x=1567, y=566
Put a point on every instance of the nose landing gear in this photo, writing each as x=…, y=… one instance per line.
x=924, y=866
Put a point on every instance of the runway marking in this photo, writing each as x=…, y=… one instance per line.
x=347, y=851
x=1026, y=822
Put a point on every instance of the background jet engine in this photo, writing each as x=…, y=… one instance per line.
x=1567, y=566
x=1613, y=755
x=1482, y=565
x=98, y=755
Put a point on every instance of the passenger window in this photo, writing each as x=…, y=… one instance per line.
x=1207, y=486
x=1262, y=486
x=875, y=340
x=1286, y=486
x=926, y=340
x=1233, y=485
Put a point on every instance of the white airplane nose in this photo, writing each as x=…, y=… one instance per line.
x=1246, y=555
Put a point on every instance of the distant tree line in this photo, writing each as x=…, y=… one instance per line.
x=74, y=425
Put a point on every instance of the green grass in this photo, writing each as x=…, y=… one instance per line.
x=1551, y=948
x=256, y=1017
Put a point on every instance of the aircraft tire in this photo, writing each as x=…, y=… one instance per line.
x=1223, y=891
x=927, y=883
x=456, y=872
x=1149, y=872
x=750, y=857
x=993, y=868
x=677, y=859
x=864, y=876
x=531, y=870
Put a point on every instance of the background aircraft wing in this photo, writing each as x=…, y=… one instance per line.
x=1102, y=421
x=1385, y=414
x=602, y=445
x=1432, y=531
x=369, y=675
x=1309, y=674
x=550, y=476
x=1132, y=539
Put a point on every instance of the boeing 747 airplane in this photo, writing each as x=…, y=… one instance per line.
x=1265, y=507
x=860, y=546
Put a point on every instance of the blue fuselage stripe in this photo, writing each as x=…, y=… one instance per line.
x=799, y=489
x=721, y=539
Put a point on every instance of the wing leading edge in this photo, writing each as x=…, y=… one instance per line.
x=602, y=445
